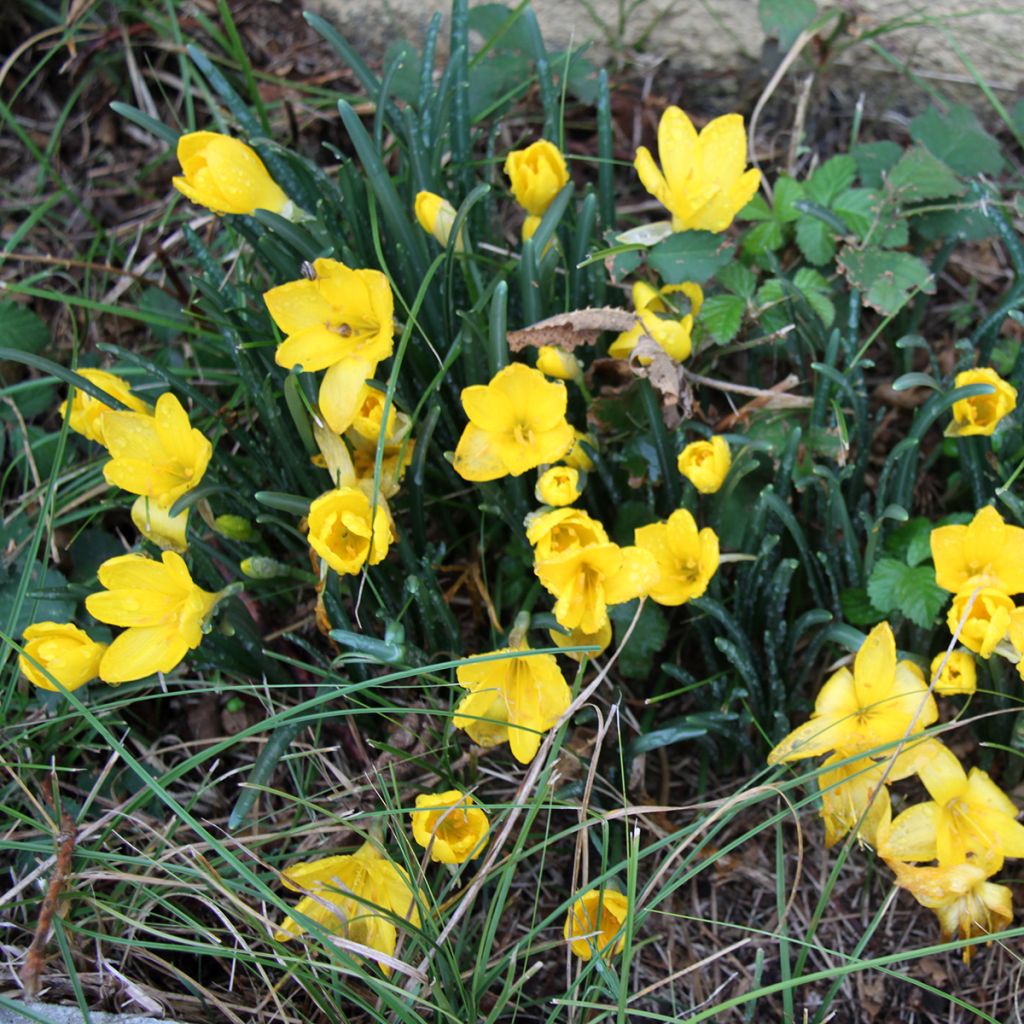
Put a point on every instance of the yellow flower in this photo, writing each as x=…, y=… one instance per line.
x=516, y=422
x=853, y=792
x=594, y=920
x=586, y=580
x=982, y=413
x=226, y=176
x=437, y=217
x=63, y=650
x=1016, y=632
x=959, y=676
x=556, y=362
x=85, y=414
x=562, y=530
x=987, y=622
x=160, y=457
x=560, y=485
x=965, y=904
x=706, y=463
x=158, y=526
x=985, y=553
x=369, y=419
x=577, y=456
x=968, y=816
x=686, y=559
x=515, y=698
x=578, y=638
x=860, y=711
x=358, y=896
x=341, y=322
x=538, y=173
x=702, y=181
x=659, y=318
x=342, y=532
x=392, y=467
x=163, y=610
x=451, y=825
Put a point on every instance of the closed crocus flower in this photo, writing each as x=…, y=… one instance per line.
x=226, y=176
x=594, y=920
x=987, y=552
x=558, y=363
x=560, y=485
x=702, y=182
x=982, y=413
x=661, y=317
x=450, y=825
x=537, y=173
x=986, y=618
x=958, y=675
x=64, y=651
x=562, y=530
x=686, y=558
x=369, y=420
x=437, y=217
x=85, y=414
x=577, y=455
x=158, y=526
x=163, y=611
x=706, y=464
x=343, y=532
x=160, y=457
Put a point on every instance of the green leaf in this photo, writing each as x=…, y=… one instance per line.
x=857, y=607
x=965, y=223
x=22, y=329
x=817, y=241
x=817, y=291
x=787, y=192
x=763, y=238
x=859, y=208
x=46, y=599
x=738, y=279
x=722, y=315
x=648, y=637
x=507, y=28
x=756, y=209
x=886, y=279
x=831, y=178
x=884, y=584
x=786, y=18
x=911, y=542
x=912, y=591
x=958, y=140
x=690, y=256
x=874, y=161
x=919, y=176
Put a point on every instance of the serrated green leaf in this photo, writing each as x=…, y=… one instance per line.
x=738, y=279
x=857, y=607
x=636, y=660
x=958, y=140
x=859, y=208
x=918, y=176
x=756, y=209
x=722, y=315
x=832, y=177
x=817, y=241
x=965, y=223
x=912, y=591
x=690, y=256
x=886, y=279
x=911, y=542
x=884, y=584
x=787, y=192
x=763, y=238
x=816, y=290
x=874, y=161
x=786, y=18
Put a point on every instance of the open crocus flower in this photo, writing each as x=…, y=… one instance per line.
x=878, y=703
x=163, y=611
x=343, y=532
x=226, y=176
x=64, y=651
x=516, y=423
x=959, y=675
x=659, y=316
x=359, y=896
x=537, y=173
x=702, y=182
x=968, y=816
x=342, y=322
x=706, y=463
x=561, y=530
x=964, y=902
x=516, y=698
x=450, y=825
x=981, y=414
x=85, y=414
x=686, y=558
x=852, y=791
x=160, y=457
x=986, y=619
x=594, y=920
x=987, y=552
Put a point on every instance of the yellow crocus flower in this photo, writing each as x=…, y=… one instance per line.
x=561, y=530
x=558, y=486
x=516, y=423
x=706, y=463
x=341, y=322
x=659, y=319
x=343, y=532
x=987, y=552
x=987, y=622
x=960, y=674
x=437, y=217
x=158, y=526
x=64, y=651
x=537, y=173
x=163, y=610
x=686, y=558
x=702, y=181
x=556, y=362
x=226, y=176
x=981, y=414
x=578, y=638
x=594, y=920
x=852, y=791
x=451, y=825
x=85, y=414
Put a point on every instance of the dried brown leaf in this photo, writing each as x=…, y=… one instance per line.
x=568, y=331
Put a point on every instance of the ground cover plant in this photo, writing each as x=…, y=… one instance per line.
x=512, y=574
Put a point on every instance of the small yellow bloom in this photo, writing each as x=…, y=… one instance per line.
x=341, y=322
x=451, y=825
x=85, y=415
x=358, y=896
x=981, y=414
x=706, y=463
x=63, y=650
x=853, y=792
x=968, y=816
x=860, y=711
x=594, y=920
x=556, y=362
x=558, y=486
x=163, y=610
x=516, y=422
x=959, y=676
x=577, y=456
x=160, y=457
x=702, y=181
x=369, y=420
x=987, y=552
x=515, y=698
x=577, y=638
x=437, y=217
x=395, y=462
x=343, y=533
x=226, y=176
x=686, y=558
x=986, y=623
x=659, y=316
x=158, y=526
x=562, y=530
x=538, y=173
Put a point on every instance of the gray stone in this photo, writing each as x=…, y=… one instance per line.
x=53, y=1014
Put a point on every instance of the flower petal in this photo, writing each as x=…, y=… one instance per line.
x=340, y=389
x=142, y=650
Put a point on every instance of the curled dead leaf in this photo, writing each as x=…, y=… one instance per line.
x=568, y=331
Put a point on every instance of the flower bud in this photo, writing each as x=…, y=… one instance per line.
x=959, y=676
x=437, y=217
x=982, y=413
x=706, y=464
x=66, y=652
x=556, y=362
x=558, y=486
x=538, y=173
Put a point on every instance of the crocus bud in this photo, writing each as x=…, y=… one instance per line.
x=559, y=486
x=555, y=362
x=959, y=676
x=437, y=217
x=706, y=464
x=538, y=173
x=982, y=413
x=66, y=652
